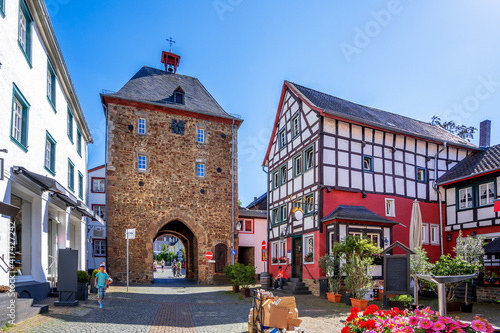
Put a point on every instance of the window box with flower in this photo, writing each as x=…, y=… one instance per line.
x=274, y=260
x=309, y=257
x=282, y=260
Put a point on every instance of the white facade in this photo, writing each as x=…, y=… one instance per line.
x=96, y=228
x=46, y=222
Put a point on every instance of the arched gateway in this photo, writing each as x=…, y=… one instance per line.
x=171, y=160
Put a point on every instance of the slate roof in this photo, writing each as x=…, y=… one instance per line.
x=258, y=200
x=375, y=117
x=154, y=86
x=492, y=247
x=356, y=213
x=244, y=212
x=474, y=164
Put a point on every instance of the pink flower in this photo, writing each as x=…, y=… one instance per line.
x=446, y=320
x=439, y=326
x=412, y=321
x=478, y=325
x=489, y=328
x=425, y=323
x=428, y=310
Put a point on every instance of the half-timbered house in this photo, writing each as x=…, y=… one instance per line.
x=353, y=170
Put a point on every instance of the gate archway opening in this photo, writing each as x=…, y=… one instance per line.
x=180, y=230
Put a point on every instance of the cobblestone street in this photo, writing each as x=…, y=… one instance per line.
x=179, y=305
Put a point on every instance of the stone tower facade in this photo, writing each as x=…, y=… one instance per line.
x=171, y=169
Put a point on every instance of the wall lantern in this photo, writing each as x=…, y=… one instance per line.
x=386, y=241
x=449, y=238
x=130, y=127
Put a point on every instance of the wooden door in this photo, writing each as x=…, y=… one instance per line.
x=220, y=258
x=297, y=257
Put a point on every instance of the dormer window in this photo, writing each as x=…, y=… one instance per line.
x=179, y=96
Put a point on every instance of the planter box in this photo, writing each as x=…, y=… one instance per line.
x=466, y=308
x=245, y=292
x=236, y=289
x=92, y=288
x=453, y=307
x=334, y=298
x=82, y=293
x=359, y=303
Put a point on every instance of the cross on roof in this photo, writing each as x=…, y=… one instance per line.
x=171, y=41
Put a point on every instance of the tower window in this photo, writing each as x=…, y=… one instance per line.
x=368, y=163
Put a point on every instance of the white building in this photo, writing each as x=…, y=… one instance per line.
x=96, y=227
x=43, y=138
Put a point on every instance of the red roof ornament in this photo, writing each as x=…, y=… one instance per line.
x=171, y=61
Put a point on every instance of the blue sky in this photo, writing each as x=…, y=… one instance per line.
x=415, y=58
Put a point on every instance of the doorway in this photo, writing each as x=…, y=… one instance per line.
x=220, y=257
x=297, y=257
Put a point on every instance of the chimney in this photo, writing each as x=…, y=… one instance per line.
x=484, y=133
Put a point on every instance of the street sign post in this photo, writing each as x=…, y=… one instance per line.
x=129, y=234
x=209, y=257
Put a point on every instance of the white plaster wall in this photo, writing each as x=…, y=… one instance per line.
x=486, y=212
x=465, y=216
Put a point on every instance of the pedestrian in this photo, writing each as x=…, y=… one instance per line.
x=101, y=282
x=280, y=278
x=155, y=263
x=162, y=265
x=174, y=267
x=179, y=265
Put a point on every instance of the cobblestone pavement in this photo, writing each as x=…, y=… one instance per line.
x=179, y=305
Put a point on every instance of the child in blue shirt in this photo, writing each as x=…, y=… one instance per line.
x=101, y=282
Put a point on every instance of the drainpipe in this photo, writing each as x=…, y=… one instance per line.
x=267, y=218
x=232, y=189
x=106, y=182
x=435, y=187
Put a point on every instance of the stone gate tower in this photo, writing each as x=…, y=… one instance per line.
x=171, y=169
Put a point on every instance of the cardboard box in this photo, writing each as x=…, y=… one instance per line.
x=293, y=322
x=276, y=317
x=293, y=314
x=287, y=302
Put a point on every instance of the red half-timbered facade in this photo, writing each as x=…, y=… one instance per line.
x=353, y=170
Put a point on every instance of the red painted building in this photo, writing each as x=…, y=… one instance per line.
x=353, y=170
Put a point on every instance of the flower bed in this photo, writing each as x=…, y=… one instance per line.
x=374, y=320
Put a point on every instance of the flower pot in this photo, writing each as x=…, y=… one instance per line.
x=347, y=298
x=467, y=308
x=453, y=307
x=334, y=298
x=359, y=303
x=245, y=292
x=82, y=292
x=236, y=289
x=92, y=288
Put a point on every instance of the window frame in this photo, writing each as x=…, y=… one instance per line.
x=274, y=215
x=53, y=80
x=71, y=175
x=308, y=212
x=283, y=168
x=392, y=213
x=80, y=185
x=282, y=141
x=276, y=179
x=425, y=174
x=478, y=191
x=78, y=141
x=472, y=201
x=27, y=48
x=425, y=233
x=69, y=124
x=306, y=151
x=202, y=140
x=203, y=170
x=305, y=245
x=283, y=211
x=244, y=221
x=2, y=8
x=25, y=106
x=52, y=167
x=371, y=163
x=434, y=231
x=139, y=126
x=92, y=182
x=100, y=205
x=295, y=173
x=295, y=132
x=139, y=157
x=369, y=235
x=181, y=94
x=100, y=240
x=275, y=248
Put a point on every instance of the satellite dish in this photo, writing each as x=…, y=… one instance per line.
x=298, y=215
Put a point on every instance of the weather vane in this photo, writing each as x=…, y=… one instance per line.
x=171, y=41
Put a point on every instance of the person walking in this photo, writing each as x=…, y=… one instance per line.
x=280, y=278
x=155, y=263
x=101, y=282
x=162, y=265
x=179, y=266
x=174, y=267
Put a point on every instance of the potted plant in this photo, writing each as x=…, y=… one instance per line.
x=471, y=250
x=400, y=301
x=357, y=255
x=82, y=292
x=329, y=264
x=275, y=260
x=92, y=288
x=228, y=271
x=309, y=257
x=282, y=260
x=245, y=275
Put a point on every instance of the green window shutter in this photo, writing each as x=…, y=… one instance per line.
x=24, y=126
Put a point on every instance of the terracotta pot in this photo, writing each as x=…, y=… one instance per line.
x=380, y=295
x=359, y=303
x=453, y=307
x=334, y=298
x=236, y=289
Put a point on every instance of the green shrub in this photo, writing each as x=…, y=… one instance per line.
x=82, y=277
x=406, y=299
x=94, y=273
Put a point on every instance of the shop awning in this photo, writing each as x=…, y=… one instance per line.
x=52, y=185
x=492, y=247
x=9, y=210
x=357, y=214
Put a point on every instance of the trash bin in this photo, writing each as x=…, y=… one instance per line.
x=323, y=287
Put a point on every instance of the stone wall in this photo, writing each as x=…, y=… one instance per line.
x=487, y=294
x=168, y=197
x=313, y=286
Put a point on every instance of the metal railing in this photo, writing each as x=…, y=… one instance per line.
x=307, y=269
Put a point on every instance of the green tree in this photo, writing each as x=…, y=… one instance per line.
x=462, y=131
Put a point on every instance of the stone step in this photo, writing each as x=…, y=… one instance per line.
x=294, y=284
x=30, y=312
x=295, y=288
x=293, y=279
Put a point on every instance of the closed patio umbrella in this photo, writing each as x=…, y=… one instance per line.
x=415, y=237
